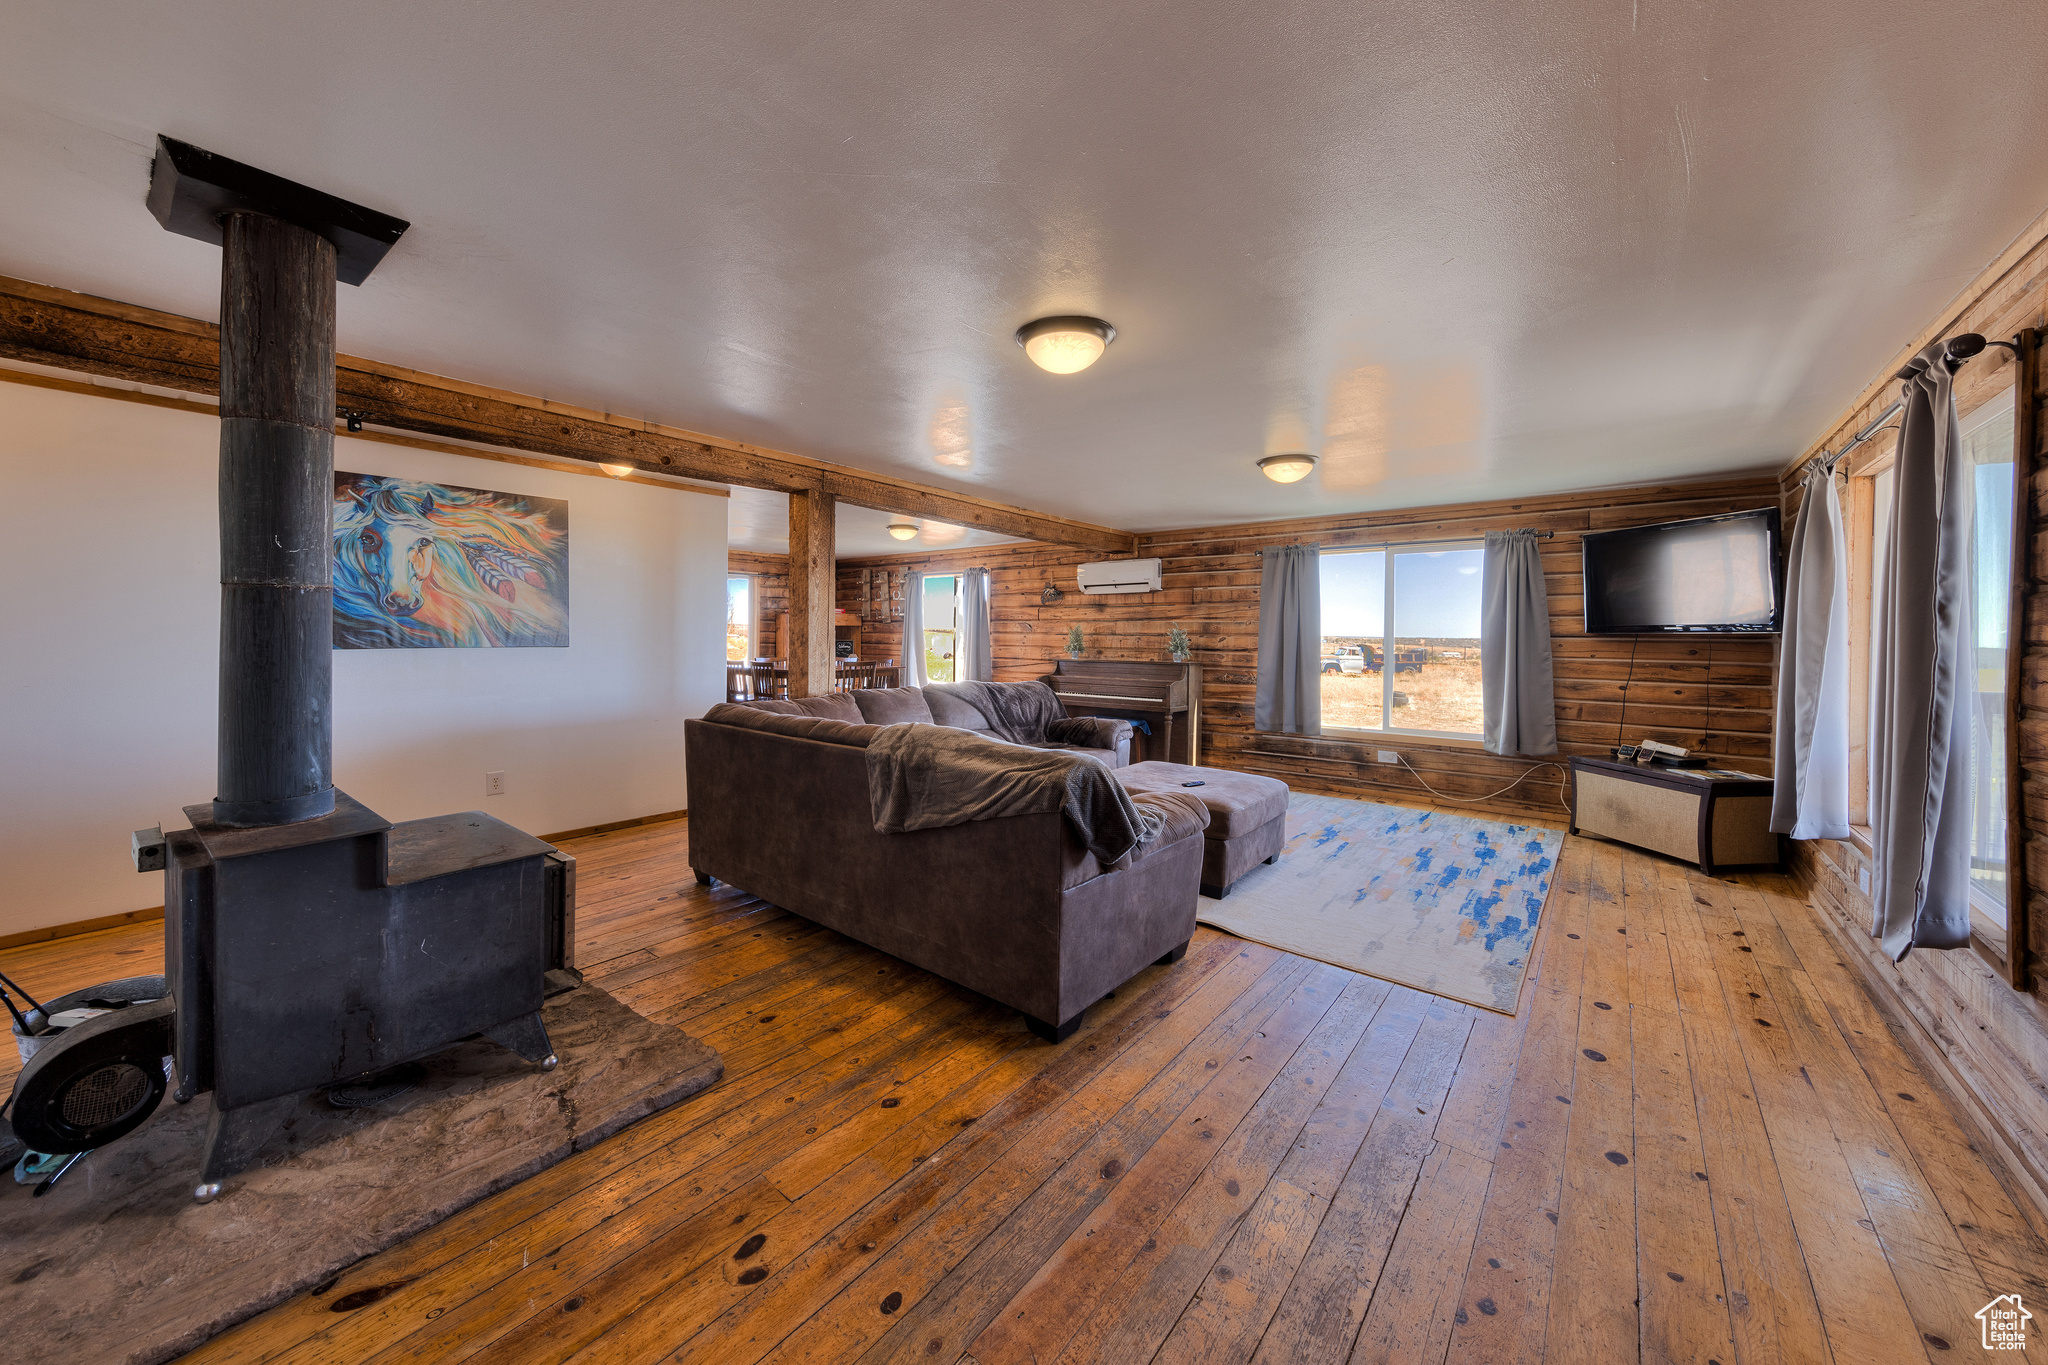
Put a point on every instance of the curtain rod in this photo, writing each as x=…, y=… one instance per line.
x=1960, y=348
x=1540, y=535
x=1829, y=462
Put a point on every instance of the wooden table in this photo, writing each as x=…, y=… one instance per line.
x=765, y=678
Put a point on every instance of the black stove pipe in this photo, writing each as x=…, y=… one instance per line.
x=276, y=509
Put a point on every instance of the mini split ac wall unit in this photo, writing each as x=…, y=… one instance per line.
x=1119, y=575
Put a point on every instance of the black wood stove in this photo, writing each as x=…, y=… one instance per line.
x=303, y=955
x=307, y=941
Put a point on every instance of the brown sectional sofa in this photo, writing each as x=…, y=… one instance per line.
x=1015, y=908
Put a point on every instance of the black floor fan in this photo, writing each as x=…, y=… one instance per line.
x=97, y=1080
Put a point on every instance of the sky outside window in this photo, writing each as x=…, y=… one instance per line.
x=1437, y=593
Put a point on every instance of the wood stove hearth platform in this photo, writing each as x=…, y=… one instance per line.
x=118, y=1264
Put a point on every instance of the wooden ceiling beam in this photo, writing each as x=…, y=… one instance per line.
x=65, y=330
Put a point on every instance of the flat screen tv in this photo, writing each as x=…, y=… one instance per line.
x=1706, y=576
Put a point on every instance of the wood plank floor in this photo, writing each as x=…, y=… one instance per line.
x=1698, y=1140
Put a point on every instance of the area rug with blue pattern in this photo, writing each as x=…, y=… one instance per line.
x=1445, y=903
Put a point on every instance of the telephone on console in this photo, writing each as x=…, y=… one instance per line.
x=1650, y=751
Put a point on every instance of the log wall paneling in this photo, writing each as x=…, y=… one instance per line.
x=1021, y=648
x=1700, y=694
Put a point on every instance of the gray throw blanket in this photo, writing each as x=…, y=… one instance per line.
x=928, y=776
x=1019, y=712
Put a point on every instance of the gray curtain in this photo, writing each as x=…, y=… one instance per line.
x=1290, y=687
x=1920, y=702
x=976, y=662
x=1810, y=758
x=1514, y=648
x=913, y=629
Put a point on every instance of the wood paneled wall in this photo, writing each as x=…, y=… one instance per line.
x=1988, y=1040
x=1712, y=695
x=1017, y=573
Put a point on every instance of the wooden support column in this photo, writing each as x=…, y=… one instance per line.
x=812, y=589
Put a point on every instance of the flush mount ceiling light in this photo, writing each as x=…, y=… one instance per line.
x=902, y=530
x=1287, y=468
x=617, y=471
x=1065, y=345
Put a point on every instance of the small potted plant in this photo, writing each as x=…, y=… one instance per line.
x=1074, y=645
x=1177, y=645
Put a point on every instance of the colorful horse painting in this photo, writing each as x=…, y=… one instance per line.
x=433, y=566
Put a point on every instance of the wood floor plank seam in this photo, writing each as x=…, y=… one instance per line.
x=1264, y=965
x=2025, y=1263
x=1068, y=1305
x=1781, y=1288
x=1390, y=1155
x=1051, y=1095
x=560, y=1332
x=1701, y=1332
x=673, y=1175
x=1142, y=1116
x=1842, y=1251
x=1133, y=1317
x=1273, y=1143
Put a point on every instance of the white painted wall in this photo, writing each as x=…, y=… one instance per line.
x=108, y=655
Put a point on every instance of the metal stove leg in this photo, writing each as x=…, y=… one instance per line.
x=526, y=1036
x=235, y=1136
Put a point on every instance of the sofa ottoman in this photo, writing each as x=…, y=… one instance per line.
x=1247, y=815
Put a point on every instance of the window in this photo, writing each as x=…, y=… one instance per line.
x=941, y=626
x=1423, y=615
x=1987, y=445
x=739, y=617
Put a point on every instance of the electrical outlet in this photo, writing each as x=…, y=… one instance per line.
x=494, y=784
x=1863, y=880
x=1389, y=756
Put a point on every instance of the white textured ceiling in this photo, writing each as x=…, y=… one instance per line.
x=759, y=521
x=1461, y=249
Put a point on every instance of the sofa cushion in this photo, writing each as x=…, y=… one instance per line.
x=893, y=705
x=774, y=706
x=1238, y=803
x=768, y=716
x=832, y=706
x=950, y=710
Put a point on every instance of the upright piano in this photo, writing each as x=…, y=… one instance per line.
x=1164, y=698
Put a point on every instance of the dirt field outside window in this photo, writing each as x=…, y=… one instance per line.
x=1444, y=694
